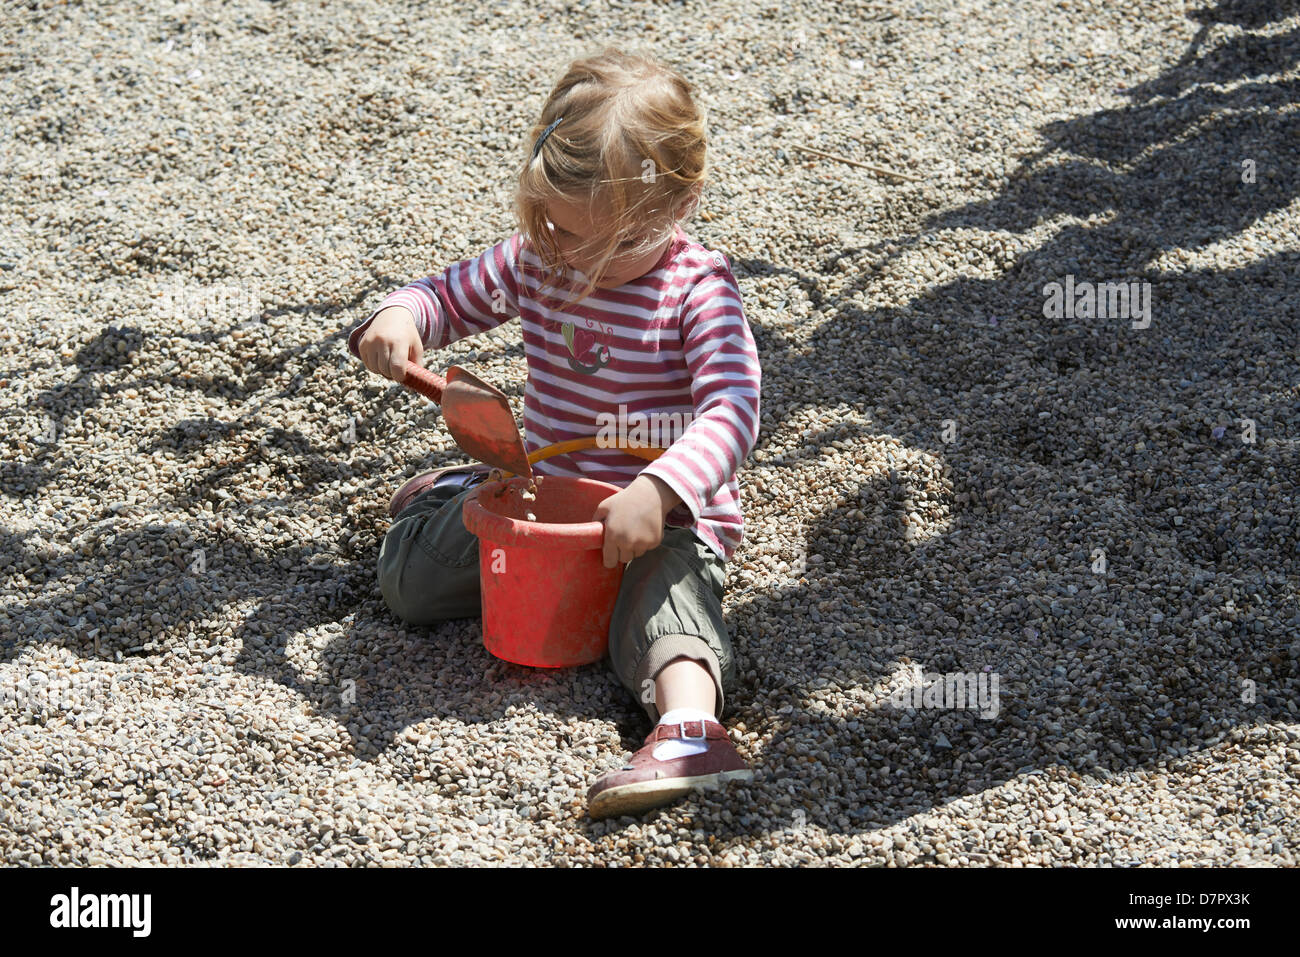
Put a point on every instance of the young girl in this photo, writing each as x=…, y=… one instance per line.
x=622, y=314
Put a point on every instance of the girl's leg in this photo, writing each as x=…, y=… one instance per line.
x=685, y=683
x=428, y=561
x=668, y=634
x=669, y=645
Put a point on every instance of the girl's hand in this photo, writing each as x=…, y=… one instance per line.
x=391, y=338
x=634, y=518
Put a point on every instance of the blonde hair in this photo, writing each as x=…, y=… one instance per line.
x=631, y=141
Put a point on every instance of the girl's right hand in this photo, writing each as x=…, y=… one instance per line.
x=392, y=336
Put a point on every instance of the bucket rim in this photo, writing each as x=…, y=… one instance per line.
x=503, y=530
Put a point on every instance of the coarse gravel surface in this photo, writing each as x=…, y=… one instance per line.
x=199, y=200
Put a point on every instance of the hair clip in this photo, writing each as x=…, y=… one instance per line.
x=537, y=147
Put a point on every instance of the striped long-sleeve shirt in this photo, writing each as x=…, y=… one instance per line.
x=667, y=359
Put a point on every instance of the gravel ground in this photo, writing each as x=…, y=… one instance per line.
x=201, y=199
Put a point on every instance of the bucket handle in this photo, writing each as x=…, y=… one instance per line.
x=647, y=452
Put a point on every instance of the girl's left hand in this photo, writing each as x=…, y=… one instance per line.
x=634, y=518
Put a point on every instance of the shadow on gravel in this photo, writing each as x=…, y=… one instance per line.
x=1054, y=460
x=143, y=575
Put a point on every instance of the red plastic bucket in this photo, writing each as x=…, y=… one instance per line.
x=547, y=596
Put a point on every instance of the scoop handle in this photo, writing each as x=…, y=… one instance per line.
x=421, y=380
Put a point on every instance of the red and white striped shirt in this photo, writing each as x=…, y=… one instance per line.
x=673, y=342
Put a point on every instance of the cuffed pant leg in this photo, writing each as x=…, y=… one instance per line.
x=670, y=606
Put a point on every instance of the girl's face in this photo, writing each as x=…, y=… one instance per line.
x=571, y=226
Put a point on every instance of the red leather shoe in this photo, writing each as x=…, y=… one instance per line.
x=646, y=783
x=470, y=475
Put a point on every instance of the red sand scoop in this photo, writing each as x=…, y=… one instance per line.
x=478, y=416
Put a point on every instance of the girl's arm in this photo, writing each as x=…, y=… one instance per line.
x=463, y=300
x=725, y=387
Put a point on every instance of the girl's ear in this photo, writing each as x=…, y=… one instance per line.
x=690, y=203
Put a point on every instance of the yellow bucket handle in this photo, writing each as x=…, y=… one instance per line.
x=647, y=452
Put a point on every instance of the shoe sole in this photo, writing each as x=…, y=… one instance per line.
x=468, y=480
x=647, y=795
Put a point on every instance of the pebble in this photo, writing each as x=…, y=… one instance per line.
x=199, y=670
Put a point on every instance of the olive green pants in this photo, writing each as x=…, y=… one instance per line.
x=669, y=604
